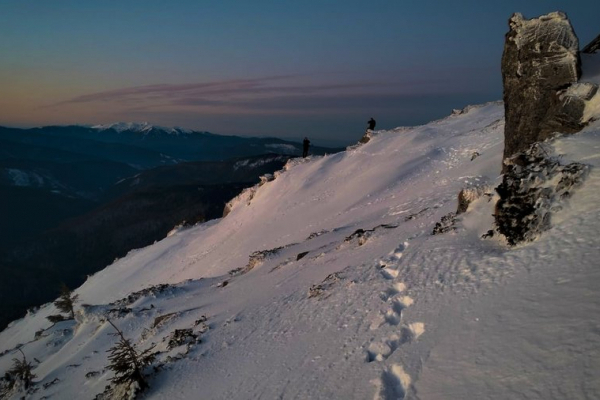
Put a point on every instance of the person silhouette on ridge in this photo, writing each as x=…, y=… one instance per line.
x=371, y=124
x=305, y=145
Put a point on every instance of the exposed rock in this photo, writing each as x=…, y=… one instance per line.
x=416, y=215
x=247, y=194
x=445, y=225
x=488, y=234
x=52, y=382
x=366, y=137
x=179, y=337
x=152, y=291
x=316, y=234
x=202, y=321
x=92, y=374
x=161, y=319
x=256, y=258
x=532, y=188
x=300, y=256
x=580, y=99
x=540, y=61
x=266, y=178
x=320, y=289
x=592, y=46
x=468, y=195
x=363, y=235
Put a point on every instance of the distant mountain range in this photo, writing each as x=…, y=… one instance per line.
x=138, y=145
x=76, y=197
x=60, y=171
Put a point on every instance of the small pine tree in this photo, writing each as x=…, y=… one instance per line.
x=128, y=363
x=65, y=301
x=21, y=371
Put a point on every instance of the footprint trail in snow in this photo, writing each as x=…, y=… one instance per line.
x=394, y=382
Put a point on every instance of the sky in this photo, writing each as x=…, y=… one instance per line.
x=257, y=68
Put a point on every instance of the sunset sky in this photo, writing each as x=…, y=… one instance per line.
x=263, y=68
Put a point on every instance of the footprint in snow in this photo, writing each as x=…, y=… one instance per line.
x=389, y=273
x=398, y=303
x=397, y=253
x=389, y=265
x=393, y=384
x=379, y=351
x=392, y=291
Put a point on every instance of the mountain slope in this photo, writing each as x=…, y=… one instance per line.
x=62, y=248
x=327, y=283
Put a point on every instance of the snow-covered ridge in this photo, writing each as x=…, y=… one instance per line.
x=328, y=284
x=142, y=127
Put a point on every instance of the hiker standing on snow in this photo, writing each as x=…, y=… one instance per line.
x=371, y=125
x=305, y=145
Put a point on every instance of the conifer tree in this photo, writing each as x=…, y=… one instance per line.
x=21, y=371
x=128, y=363
x=65, y=301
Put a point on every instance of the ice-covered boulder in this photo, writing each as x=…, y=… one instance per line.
x=540, y=61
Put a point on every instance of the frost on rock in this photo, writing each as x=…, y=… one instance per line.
x=468, y=195
x=581, y=99
x=446, y=224
x=539, y=64
x=256, y=258
x=531, y=190
x=465, y=197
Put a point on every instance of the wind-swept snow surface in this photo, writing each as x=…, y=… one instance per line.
x=326, y=282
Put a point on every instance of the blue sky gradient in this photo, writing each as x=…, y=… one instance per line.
x=289, y=69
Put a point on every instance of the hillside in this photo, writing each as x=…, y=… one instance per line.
x=44, y=243
x=328, y=283
x=53, y=173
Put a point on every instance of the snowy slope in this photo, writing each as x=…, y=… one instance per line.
x=391, y=312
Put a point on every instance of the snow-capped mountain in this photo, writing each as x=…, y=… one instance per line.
x=142, y=127
x=325, y=281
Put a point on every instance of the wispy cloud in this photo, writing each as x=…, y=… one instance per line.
x=286, y=93
x=174, y=90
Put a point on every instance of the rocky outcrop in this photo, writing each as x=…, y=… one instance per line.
x=540, y=62
x=532, y=189
x=465, y=197
x=593, y=46
x=541, y=69
x=366, y=137
x=468, y=195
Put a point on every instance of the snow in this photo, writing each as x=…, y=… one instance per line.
x=330, y=311
x=22, y=178
x=283, y=147
x=591, y=78
x=142, y=127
